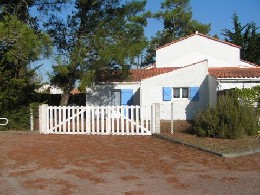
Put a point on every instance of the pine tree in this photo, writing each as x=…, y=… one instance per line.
x=99, y=36
x=176, y=16
x=19, y=46
x=247, y=37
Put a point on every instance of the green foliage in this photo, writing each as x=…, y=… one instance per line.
x=64, y=76
x=229, y=119
x=87, y=80
x=249, y=96
x=99, y=36
x=206, y=123
x=19, y=43
x=19, y=118
x=19, y=46
x=247, y=37
x=176, y=15
x=22, y=9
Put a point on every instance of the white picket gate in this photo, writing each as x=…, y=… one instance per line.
x=96, y=120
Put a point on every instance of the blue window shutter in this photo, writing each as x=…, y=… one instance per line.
x=167, y=93
x=127, y=97
x=194, y=93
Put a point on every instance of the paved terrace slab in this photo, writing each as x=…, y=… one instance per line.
x=67, y=164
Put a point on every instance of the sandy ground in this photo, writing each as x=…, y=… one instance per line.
x=67, y=164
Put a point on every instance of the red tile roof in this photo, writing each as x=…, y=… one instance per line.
x=139, y=74
x=235, y=72
x=229, y=72
x=74, y=91
x=206, y=36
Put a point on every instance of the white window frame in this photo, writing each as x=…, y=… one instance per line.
x=181, y=93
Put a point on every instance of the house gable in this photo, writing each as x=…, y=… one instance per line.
x=190, y=72
x=198, y=47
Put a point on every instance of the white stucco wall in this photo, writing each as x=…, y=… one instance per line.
x=197, y=48
x=184, y=109
x=213, y=87
x=100, y=95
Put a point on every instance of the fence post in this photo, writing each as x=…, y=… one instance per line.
x=43, y=115
x=31, y=119
x=172, y=123
x=155, y=118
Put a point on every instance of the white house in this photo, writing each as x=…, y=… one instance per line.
x=187, y=75
x=51, y=89
x=223, y=60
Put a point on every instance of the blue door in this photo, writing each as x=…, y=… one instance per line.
x=127, y=97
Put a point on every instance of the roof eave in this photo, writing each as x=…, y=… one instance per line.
x=253, y=79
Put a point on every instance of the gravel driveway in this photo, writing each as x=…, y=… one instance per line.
x=68, y=164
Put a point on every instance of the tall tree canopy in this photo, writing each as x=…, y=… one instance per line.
x=22, y=9
x=176, y=16
x=97, y=37
x=19, y=46
x=22, y=42
x=245, y=36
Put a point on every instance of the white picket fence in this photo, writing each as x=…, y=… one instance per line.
x=96, y=120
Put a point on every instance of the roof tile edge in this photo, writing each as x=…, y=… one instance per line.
x=198, y=34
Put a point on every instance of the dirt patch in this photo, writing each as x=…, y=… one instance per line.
x=183, y=132
x=129, y=178
x=135, y=193
x=70, y=164
x=177, y=183
x=86, y=175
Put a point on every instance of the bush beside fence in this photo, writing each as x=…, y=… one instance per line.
x=229, y=118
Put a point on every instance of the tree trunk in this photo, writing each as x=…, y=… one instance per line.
x=64, y=99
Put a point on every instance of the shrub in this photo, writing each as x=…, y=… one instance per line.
x=206, y=123
x=250, y=120
x=228, y=119
x=19, y=119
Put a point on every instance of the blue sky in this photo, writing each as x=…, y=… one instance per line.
x=216, y=12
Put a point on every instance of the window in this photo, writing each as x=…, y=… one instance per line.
x=116, y=97
x=122, y=97
x=171, y=93
x=180, y=93
x=185, y=92
x=176, y=92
